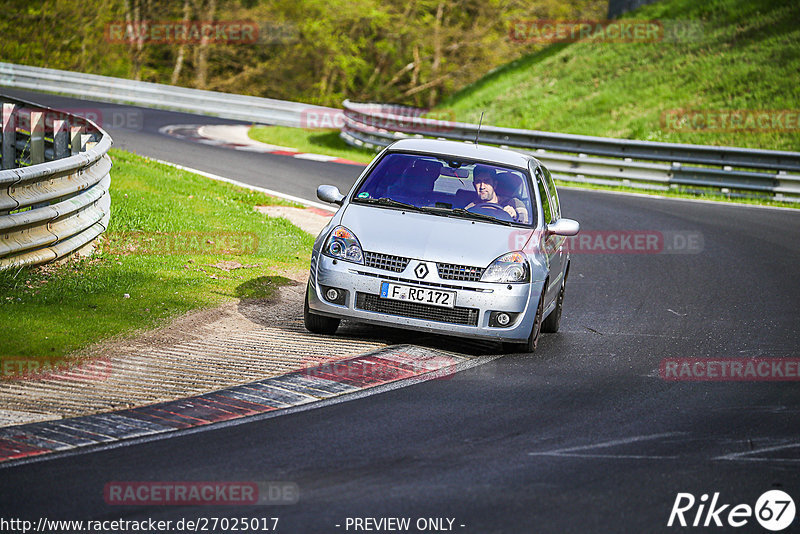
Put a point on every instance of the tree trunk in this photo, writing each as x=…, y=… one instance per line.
x=201, y=78
x=176, y=72
x=437, y=53
x=133, y=23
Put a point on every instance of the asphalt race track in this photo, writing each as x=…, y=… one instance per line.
x=582, y=436
x=140, y=134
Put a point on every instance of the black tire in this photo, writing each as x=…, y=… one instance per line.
x=533, y=340
x=318, y=324
x=553, y=321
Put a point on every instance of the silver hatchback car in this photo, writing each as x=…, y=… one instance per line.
x=445, y=237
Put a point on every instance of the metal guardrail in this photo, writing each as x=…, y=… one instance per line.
x=574, y=158
x=597, y=160
x=54, y=183
x=251, y=109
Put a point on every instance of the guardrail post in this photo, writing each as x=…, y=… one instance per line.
x=9, y=136
x=86, y=139
x=75, y=139
x=37, y=137
x=60, y=145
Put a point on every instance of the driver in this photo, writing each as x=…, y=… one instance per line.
x=485, y=182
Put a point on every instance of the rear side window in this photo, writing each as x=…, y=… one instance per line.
x=546, y=208
x=551, y=185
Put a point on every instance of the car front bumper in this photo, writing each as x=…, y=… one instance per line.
x=473, y=305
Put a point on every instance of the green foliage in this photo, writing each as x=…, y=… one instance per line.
x=62, y=35
x=745, y=57
x=316, y=51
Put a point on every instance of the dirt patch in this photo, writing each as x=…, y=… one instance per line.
x=311, y=220
x=202, y=351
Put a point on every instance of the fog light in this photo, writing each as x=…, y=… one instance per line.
x=334, y=295
x=499, y=319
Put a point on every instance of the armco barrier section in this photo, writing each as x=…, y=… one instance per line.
x=251, y=109
x=596, y=160
x=732, y=171
x=54, y=183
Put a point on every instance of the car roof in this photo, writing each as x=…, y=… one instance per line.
x=462, y=149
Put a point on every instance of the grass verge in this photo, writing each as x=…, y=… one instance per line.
x=723, y=55
x=326, y=142
x=176, y=242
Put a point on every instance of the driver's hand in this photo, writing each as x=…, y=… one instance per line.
x=511, y=211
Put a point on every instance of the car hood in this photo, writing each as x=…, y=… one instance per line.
x=432, y=237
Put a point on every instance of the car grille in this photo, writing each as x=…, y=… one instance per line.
x=387, y=262
x=373, y=303
x=424, y=284
x=451, y=271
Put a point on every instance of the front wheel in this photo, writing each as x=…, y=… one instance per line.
x=551, y=324
x=318, y=324
x=533, y=340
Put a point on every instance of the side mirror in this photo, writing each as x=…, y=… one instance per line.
x=565, y=227
x=330, y=193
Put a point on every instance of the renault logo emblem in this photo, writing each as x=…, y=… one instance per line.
x=421, y=270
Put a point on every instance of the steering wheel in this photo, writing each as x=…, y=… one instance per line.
x=503, y=215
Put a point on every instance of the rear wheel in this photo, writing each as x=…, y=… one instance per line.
x=318, y=324
x=533, y=339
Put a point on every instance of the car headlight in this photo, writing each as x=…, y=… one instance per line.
x=508, y=268
x=343, y=244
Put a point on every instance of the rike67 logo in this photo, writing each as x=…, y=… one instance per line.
x=774, y=511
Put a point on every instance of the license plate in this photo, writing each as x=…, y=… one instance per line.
x=423, y=295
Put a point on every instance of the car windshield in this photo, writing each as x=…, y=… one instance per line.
x=449, y=187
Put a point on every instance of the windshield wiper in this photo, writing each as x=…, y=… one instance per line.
x=384, y=201
x=481, y=216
